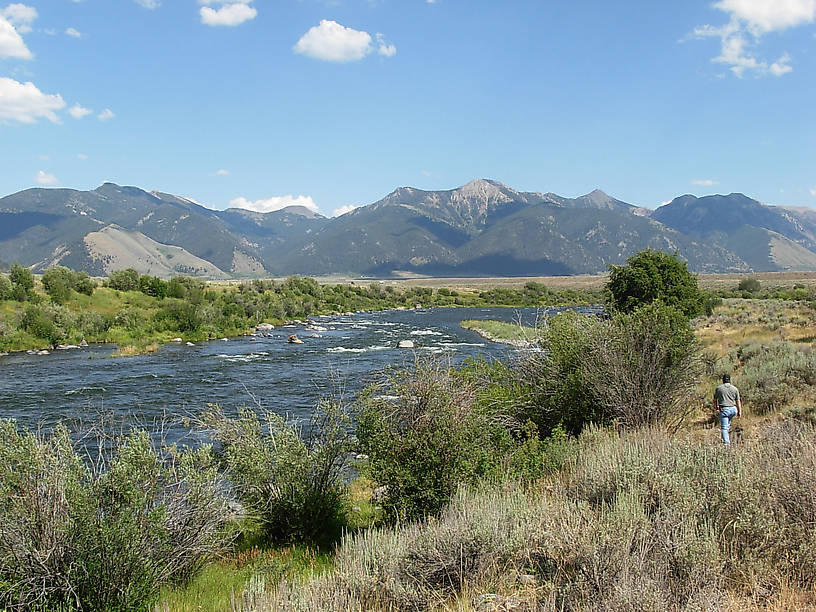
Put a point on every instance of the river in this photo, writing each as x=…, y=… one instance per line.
x=286, y=378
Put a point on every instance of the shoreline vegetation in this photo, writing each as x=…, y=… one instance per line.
x=585, y=476
x=512, y=334
x=138, y=313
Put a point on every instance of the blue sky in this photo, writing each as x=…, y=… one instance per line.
x=336, y=103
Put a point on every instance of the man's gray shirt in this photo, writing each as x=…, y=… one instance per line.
x=726, y=395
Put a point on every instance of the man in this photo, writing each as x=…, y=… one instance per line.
x=728, y=405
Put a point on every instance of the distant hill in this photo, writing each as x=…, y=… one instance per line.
x=483, y=228
x=767, y=238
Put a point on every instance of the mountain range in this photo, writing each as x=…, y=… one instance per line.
x=483, y=228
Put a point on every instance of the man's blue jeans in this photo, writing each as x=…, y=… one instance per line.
x=725, y=415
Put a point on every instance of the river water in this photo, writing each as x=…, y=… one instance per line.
x=289, y=379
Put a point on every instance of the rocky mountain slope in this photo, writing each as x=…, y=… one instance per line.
x=482, y=228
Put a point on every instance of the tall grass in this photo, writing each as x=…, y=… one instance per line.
x=638, y=521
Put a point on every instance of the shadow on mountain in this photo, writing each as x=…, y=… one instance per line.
x=442, y=231
x=488, y=265
x=12, y=224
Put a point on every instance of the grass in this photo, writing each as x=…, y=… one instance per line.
x=500, y=331
x=222, y=583
x=132, y=350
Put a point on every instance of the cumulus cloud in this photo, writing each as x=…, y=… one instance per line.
x=148, y=4
x=383, y=48
x=338, y=212
x=77, y=111
x=813, y=191
x=20, y=16
x=11, y=43
x=331, y=42
x=73, y=33
x=749, y=21
x=222, y=172
x=44, y=178
x=106, y=115
x=274, y=203
x=24, y=103
x=228, y=12
x=705, y=182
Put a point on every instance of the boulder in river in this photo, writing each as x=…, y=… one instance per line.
x=406, y=344
x=190, y=344
x=264, y=327
x=176, y=340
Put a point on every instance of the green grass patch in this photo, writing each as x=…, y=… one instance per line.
x=223, y=581
x=501, y=331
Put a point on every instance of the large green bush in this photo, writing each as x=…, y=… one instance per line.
x=292, y=482
x=426, y=433
x=654, y=275
x=6, y=289
x=22, y=281
x=633, y=369
x=104, y=531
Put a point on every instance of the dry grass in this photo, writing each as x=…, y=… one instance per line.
x=134, y=350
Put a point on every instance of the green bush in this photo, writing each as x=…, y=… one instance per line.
x=39, y=321
x=749, y=285
x=6, y=289
x=425, y=434
x=654, y=275
x=291, y=483
x=775, y=374
x=22, y=281
x=103, y=534
x=58, y=283
x=634, y=369
x=124, y=280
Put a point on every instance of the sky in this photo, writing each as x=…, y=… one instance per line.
x=333, y=104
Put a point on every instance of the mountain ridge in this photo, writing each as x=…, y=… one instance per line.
x=481, y=228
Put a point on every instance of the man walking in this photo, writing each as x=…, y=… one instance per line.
x=728, y=405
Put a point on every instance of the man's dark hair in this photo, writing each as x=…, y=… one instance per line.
x=726, y=378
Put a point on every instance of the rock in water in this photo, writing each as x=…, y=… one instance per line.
x=406, y=344
x=293, y=339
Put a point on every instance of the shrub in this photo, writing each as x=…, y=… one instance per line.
x=638, y=521
x=291, y=482
x=642, y=367
x=22, y=281
x=775, y=374
x=39, y=322
x=58, y=282
x=749, y=285
x=124, y=280
x=104, y=534
x=6, y=290
x=653, y=275
x=425, y=434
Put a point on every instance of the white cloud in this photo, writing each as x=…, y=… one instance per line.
x=82, y=156
x=813, y=192
x=11, y=43
x=222, y=172
x=25, y=103
x=749, y=21
x=20, y=16
x=383, y=48
x=274, y=203
x=762, y=16
x=77, y=111
x=44, y=178
x=106, y=115
x=343, y=210
x=705, y=182
x=228, y=13
x=333, y=42
x=148, y=4
x=73, y=33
